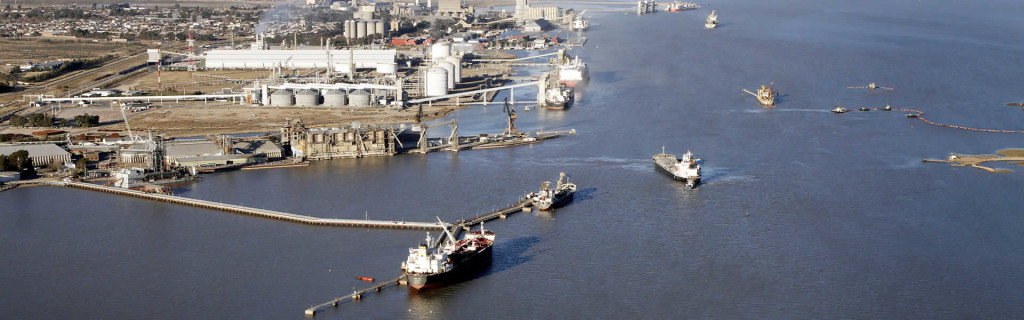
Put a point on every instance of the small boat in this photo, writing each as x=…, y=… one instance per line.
x=887, y=108
x=765, y=96
x=579, y=23
x=911, y=115
x=365, y=279
x=712, y=21
x=864, y=109
x=839, y=109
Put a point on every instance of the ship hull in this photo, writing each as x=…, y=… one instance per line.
x=556, y=203
x=691, y=182
x=464, y=270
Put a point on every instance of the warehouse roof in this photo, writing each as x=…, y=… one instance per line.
x=34, y=150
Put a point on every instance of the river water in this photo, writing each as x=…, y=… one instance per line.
x=802, y=214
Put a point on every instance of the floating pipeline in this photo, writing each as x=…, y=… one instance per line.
x=917, y=114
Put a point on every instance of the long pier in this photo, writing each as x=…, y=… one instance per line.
x=455, y=229
x=263, y=213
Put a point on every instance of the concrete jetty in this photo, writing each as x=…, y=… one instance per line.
x=264, y=213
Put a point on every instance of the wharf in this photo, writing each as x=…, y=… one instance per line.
x=455, y=229
x=263, y=213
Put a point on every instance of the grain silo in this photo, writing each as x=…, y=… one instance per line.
x=378, y=27
x=359, y=98
x=334, y=98
x=282, y=98
x=437, y=82
x=361, y=29
x=307, y=98
x=350, y=29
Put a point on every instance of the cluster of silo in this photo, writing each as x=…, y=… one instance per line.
x=326, y=98
x=436, y=83
x=363, y=28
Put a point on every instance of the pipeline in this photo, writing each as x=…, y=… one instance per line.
x=920, y=115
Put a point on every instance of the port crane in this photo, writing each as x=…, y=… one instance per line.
x=510, y=128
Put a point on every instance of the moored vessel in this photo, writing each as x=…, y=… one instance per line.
x=686, y=169
x=765, y=96
x=579, y=23
x=574, y=72
x=431, y=266
x=548, y=198
x=559, y=98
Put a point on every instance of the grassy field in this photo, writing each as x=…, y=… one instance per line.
x=39, y=49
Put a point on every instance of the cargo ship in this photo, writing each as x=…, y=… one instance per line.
x=573, y=73
x=548, y=198
x=559, y=98
x=686, y=169
x=712, y=21
x=428, y=267
x=682, y=6
x=579, y=23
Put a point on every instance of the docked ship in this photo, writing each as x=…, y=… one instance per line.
x=559, y=98
x=573, y=73
x=151, y=181
x=712, y=21
x=428, y=266
x=548, y=198
x=686, y=169
x=579, y=23
x=765, y=96
x=682, y=6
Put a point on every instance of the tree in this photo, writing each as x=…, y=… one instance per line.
x=87, y=120
x=20, y=161
x=80, y=166
x=3, y=162
x=18, y=121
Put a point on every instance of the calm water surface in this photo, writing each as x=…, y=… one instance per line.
x=803, y=213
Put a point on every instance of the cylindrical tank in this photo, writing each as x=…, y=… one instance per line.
x=359, y=98
x=282, y=98
x=450, y=69
x=334, y=98
x=437, y=82
x=378, y=27
x=350, y=29
x=387, y=68
x=440, y=50
x=361, y=29
x=306, y=98
x=458, y=67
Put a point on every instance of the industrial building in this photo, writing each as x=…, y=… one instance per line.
x=205, y=152
x=524, y=12
x=40, y=154
x=348, y=142
x=338, y=60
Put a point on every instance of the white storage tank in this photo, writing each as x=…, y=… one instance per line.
x=307, y=98
x=359, y=98
x=440, y=50
x=378, y=27
x=437, y=82
x=458, y=67
x=387, y=68
x=450, y=69
x=361, y=29
x=334, y=98
x=282, y=98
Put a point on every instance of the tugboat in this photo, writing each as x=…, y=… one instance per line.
x=429, y=267
x=548, y=198
x=685, y=169
x=839, y=109
x=681, y=6
x=765, y=96
x=559, y=98
x=573, y=72
x=712, y=21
